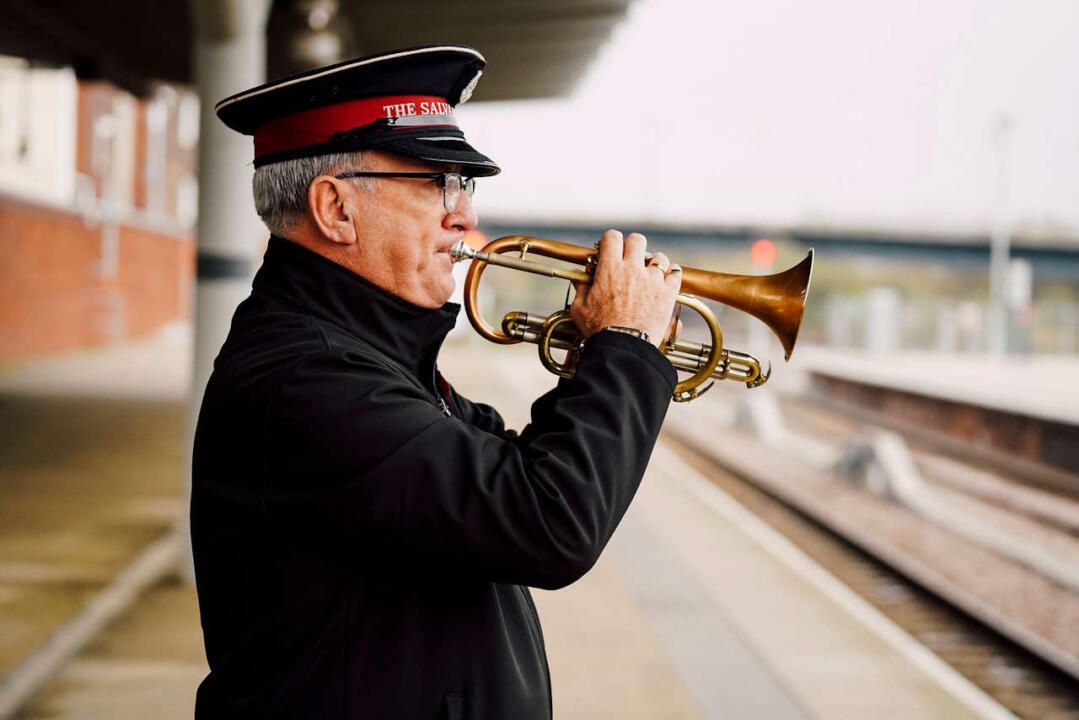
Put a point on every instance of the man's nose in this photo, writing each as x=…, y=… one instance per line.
x=463, y=216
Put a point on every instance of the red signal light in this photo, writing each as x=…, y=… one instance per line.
x=763, y=253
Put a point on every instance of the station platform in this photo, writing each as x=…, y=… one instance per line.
x=696, y=609
x=1043, y=387
x=1019, y=412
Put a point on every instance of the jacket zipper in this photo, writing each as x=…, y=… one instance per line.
x=441, y=400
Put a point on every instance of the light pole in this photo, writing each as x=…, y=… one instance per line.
x=1000, y=242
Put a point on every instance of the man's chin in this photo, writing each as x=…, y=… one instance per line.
x=449, y=292
x=438, y=294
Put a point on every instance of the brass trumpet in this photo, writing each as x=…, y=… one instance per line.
x=776, y=300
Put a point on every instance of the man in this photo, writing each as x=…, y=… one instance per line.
x=364, y=536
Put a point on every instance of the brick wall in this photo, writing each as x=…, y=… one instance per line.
x=67, y=281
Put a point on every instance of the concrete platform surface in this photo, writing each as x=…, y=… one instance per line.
x=1045, y=387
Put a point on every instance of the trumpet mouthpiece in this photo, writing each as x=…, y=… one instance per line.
x=461, y=251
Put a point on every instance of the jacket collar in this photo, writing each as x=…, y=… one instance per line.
x=312, y=284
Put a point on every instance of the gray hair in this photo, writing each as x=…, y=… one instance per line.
x=280, y=188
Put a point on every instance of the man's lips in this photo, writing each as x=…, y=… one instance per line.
x=446, y=248
x=444, y=255
x=450, y=242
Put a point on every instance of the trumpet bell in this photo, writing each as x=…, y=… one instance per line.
x=776, y=300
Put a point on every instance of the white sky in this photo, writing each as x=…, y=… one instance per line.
x=839, y=112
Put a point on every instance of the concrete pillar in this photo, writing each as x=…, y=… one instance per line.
x=840, y=311
x=947, y=340
x=229, y=56
x=884, y=313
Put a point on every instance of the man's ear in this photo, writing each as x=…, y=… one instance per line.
x=327, y=200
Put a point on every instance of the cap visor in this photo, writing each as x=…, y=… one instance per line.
x=450, y=150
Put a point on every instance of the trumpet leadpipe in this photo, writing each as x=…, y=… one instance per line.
x=461, y=251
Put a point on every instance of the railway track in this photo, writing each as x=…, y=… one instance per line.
x=1020, y=680
x=977, y=475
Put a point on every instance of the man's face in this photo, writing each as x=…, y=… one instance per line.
x=404, y=233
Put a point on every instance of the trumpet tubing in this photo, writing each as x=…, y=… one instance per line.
x=776, y=300
x=683, y=355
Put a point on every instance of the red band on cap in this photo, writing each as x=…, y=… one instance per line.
x=312, y=127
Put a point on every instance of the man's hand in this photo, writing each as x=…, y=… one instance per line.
x=626, y=292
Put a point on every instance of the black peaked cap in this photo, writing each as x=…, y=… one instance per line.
x=329, y=109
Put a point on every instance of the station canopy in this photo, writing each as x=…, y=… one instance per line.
x=533, y=49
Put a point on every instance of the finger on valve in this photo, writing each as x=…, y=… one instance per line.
x=610, y=246
x=635, y=245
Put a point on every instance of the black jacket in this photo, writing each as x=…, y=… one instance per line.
x=363, y=535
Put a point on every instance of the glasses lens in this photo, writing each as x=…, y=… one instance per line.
x=452, y=185
x=451, y=190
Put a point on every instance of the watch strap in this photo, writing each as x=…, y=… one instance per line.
x=629, y=331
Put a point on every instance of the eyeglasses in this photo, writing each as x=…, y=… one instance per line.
x=452, y=183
